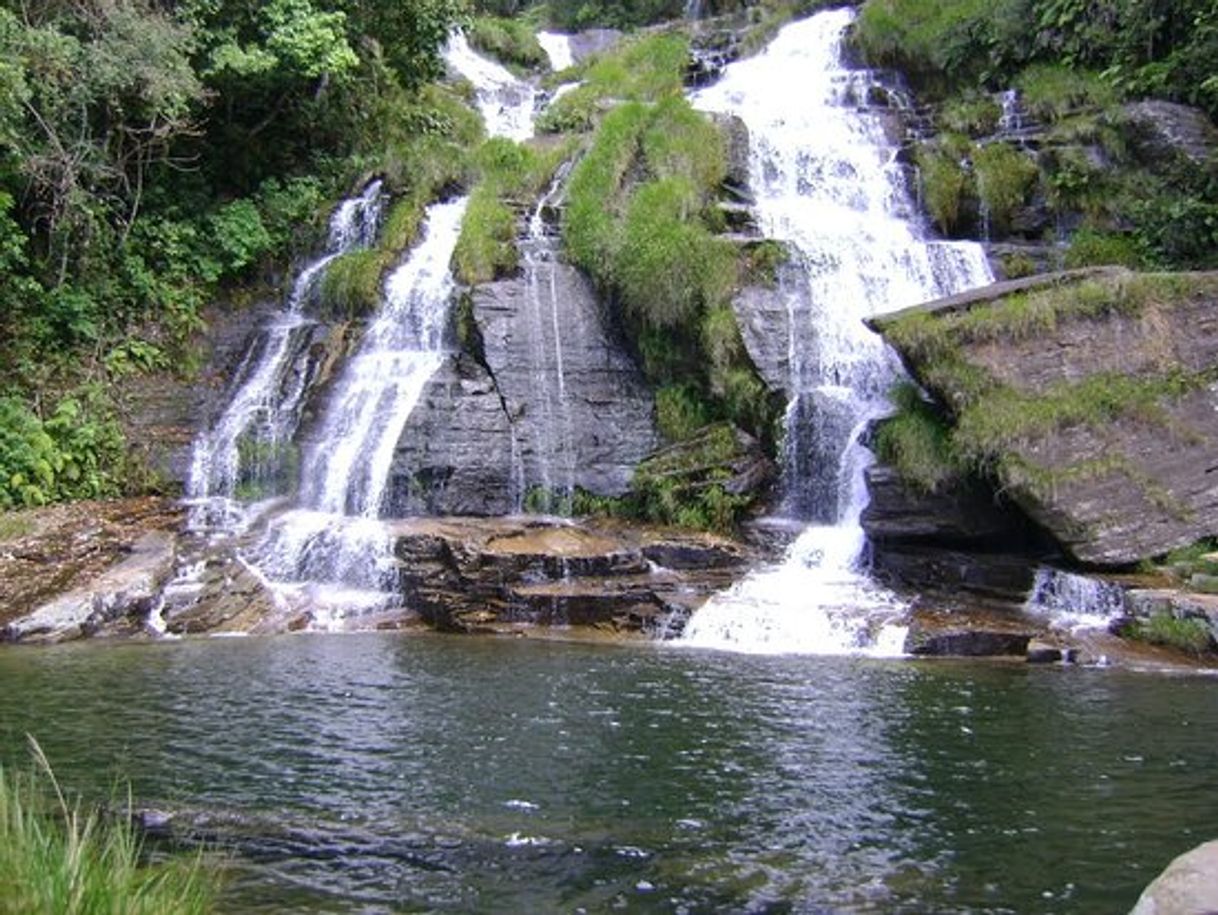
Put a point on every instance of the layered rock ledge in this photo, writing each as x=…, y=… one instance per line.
x=1092, y=398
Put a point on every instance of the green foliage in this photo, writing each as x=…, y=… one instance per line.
x=238, y=234
x=1017, y=266
x=75, y=452
x=1052, y=91
x=972, y=114
x=645, y=68
x=945, y=184
x=685, y=484
x=574, y=15
x=1188, y=634
x=1090, y=248
x=916, y=441
x=680, y=411
x=352, y=284
x=764, y=260
x=512, y=41
x=61, y=857
x=486, y=249
x=1005, y=177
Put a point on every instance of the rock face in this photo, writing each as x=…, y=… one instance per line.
x=1189, y=885
x=1164, y=130
x=1095, y=395
x=553, y=404
x=962, y=538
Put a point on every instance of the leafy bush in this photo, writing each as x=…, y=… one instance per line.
x=680, y=411
x=1090, y=248
x=77, y=452
x=486, y=248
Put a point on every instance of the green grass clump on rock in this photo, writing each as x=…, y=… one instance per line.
x=512, y=41
x=1189, y=635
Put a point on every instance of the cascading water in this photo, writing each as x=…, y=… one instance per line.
x=552, y=448
x=263, y=410
x=346, y=469
x=330, y=554
x=827, y=183
x=506, y=103
x=1074, y=602
x=558, y=50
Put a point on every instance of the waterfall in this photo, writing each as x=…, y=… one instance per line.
x=331, y=555
x=346, y=469
x=268, y=387
x=1074, y=602
x=506, y=103
x=553, y=450
x=558, y=49
x=827, y=182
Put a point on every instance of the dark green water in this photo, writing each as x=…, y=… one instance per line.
x=386, y=773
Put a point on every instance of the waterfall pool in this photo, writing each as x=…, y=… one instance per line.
x=388, y=773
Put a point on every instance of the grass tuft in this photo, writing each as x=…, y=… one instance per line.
x=61, y=858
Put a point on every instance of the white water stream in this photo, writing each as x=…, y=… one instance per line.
x=826, y=182
x=331, y=554
x=267, y=388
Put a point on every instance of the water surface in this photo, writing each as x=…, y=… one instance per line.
x=383, y=772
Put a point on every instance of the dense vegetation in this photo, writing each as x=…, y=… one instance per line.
x=1089, y=172
x=154, y=156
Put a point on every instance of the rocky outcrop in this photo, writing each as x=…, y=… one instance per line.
x=1095, y=397
x=552, y=403
x=1188, y=886
x=1164, y=131
x=123, y=594
x=962, y=537
x=455, y=455
x=499, y=574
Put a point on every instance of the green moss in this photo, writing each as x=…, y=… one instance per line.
x=352, y=284
x=764, y=260
x=486, y=248
x=1053, y=91
x=645, y=68
x=1005, y=178
x=402, y=223
x=973, y=114
x=14, y=526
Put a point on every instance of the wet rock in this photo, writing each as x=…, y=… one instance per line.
x=736, y=136
x=1043, y=653
x=129, y=589
x=1168, y=130
x=942, y=638
x=497, y=575
x=1188, y=886
x=232, y=598
x=593, y=41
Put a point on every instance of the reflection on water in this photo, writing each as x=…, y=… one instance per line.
x=387, y=773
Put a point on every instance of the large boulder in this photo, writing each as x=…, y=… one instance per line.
x=1189, y=885
x=1093, y=396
